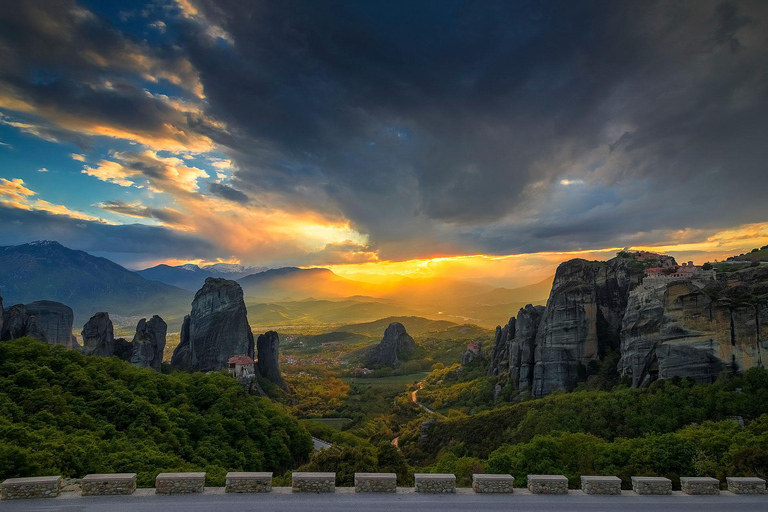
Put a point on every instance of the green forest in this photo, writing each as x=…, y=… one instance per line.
x=68, y=414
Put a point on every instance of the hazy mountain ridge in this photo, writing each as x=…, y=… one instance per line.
x=47, y=270
x=192, y=277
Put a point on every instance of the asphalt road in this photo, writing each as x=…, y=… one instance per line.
x=403, y=501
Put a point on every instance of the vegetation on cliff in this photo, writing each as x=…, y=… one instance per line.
x=65, y=413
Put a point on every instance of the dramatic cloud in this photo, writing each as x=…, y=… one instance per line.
x=348, y=132
x=15, y=194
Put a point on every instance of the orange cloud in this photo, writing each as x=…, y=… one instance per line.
x=17, y=195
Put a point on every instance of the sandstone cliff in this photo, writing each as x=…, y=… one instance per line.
x=269, y=363
x=695, y=329
x=395, y=344
x=583, y=317
x=217, y=328
x=149, y=343
x=44, y=320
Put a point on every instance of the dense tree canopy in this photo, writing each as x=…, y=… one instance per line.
x=64, y=413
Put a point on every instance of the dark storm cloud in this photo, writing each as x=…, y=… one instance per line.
x=435, y=126
x=228, y=193
x=443, y=118
x=23, y=226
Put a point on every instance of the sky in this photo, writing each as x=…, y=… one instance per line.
x=486, y=140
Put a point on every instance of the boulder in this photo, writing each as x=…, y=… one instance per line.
x=149, y=343
x=395, y=345
x=268, y=363
x=98, y=336
x=218, y=328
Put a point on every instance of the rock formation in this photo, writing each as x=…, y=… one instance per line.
x=43, y=320
x=149, y=343
x=685, y=328
x=583, y=317
x=473, y=353
x=514, y=347
x=268, y=364
x=395, y=344
x=98, y=336
x=123, y=349
x=217, y=328
x=1, y=316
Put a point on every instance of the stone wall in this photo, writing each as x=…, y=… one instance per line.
x=179, y=483
x=601, y=484
x=700, y=485
x=375, y=482
x=248, y=482
x=746, y=485
x=435, y=483
x=35, y=487
x=547, y=484
x=313, y=482
x=109, y=484
x=493, y=483
x=651, y=485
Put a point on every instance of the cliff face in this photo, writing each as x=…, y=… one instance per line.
x=695, y=329
x=44, y=320
x=514, y=347
x=98, y=336
x=583, y=317
x=149, y=343
x=217, y=328
x=395, y=344
x=269, y=362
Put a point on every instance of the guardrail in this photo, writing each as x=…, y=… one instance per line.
x=180, y=483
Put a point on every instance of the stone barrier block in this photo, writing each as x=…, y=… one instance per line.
x=375, y=482
x=314, y=482
x=179, y=483
x=746, y=485
x=700, y=485
x=34, y=487
x=493, y=483
x=248, y=482
x=108, y=484
x=547, y=484
x=651, y=485
x=601, y=484
x=435, y=483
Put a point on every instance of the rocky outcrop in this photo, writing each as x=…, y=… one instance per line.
x=43, y=320
x=514, y=347
x=583, y=317
x=473, y=354
x=500, y=354
x=98, y=336
x=394, y=346
x=268, y=363
x=681, y=328
x=149, y=343
x=217, y=328
x=1, y=316
x=123, y=349
x=180, y=356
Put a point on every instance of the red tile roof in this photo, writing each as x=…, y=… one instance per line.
x=241, y=359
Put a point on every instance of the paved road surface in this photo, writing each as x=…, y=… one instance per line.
x=214, y=500
x=320, y=444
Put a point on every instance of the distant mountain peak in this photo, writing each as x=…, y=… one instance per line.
x=44, y=243
x=190, y=266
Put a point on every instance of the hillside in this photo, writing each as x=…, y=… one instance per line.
x=69, y=414
x=49, y=271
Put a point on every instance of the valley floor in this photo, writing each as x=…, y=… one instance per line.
x=345, y=499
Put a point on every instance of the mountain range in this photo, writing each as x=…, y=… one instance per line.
x=192, y=277
x=46, y=270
